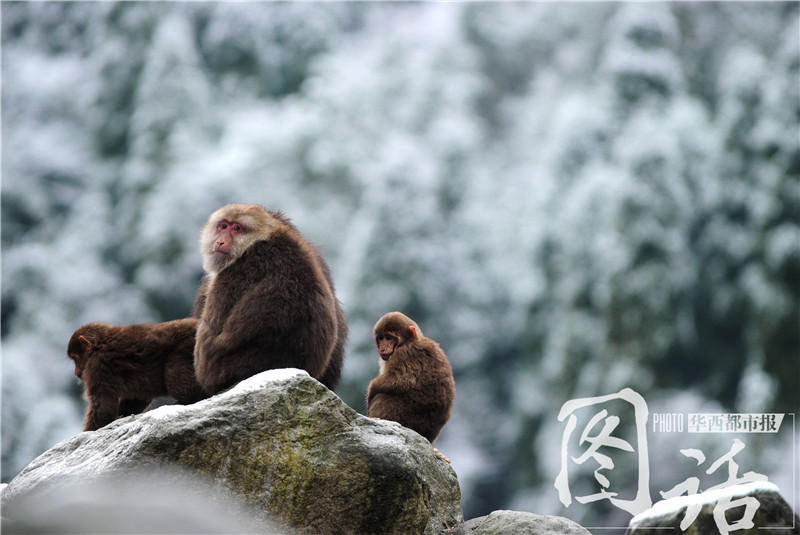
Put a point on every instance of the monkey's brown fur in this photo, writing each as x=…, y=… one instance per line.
x=415, y=386
x=268, y=303
x=124, y=368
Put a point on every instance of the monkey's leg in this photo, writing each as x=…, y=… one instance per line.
x=132, y=406
x=181, y=383
x=103, y=409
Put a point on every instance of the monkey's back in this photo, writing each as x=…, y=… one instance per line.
x=125, y=367
x=279, y=309
x=419, y=390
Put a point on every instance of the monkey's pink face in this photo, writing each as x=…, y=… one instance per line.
x=226, y=233
x=386, y=344
x=230, y=231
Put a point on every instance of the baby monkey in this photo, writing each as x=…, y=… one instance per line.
x=415, y=385
x=124, y=368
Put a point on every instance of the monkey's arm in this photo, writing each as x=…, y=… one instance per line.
x=102, y=389
x=386, y=384
x=207, y=341
x=243, y=325
x=103, y=409
x=200, y=299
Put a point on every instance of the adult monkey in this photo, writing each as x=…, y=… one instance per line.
x=267, y=301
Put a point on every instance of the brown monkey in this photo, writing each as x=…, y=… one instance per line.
x=415, y=386
x=124, y=368
x=267, y=301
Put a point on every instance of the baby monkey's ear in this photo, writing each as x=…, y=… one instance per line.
x=415, y=333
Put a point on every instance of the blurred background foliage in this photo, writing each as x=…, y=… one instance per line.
x=571, y=198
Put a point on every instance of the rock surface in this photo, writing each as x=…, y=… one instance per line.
x=521, y=523
x=141, y=501
x=282, y=443
x=773, y=516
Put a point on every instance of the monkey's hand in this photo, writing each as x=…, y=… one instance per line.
x=206, y=348
x=212, y=343
x=383, y=385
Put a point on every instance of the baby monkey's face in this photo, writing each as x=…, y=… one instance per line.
x=386, y=344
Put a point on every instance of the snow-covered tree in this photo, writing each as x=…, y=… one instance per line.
x=570, y=198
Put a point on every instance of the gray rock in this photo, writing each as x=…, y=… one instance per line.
x=518, y=522
x=142, y=501
x=283, y=444
x=772, y=517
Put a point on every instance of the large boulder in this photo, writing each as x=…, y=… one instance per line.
x=522, y=523
x=772, y=515
x=284, y=445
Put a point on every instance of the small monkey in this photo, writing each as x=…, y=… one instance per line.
x=124, y=368
x=415, y=386
x=267, y=301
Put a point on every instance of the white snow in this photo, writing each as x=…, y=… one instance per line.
x=259, y=381
x=251, y=384
x=166, y=412
x=677, y=503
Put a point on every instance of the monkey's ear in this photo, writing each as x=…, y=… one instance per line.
x=414, y=332
x=85, y=342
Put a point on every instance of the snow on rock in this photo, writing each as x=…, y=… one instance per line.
x=263, y=379
x=677, y=503
x=522, y=523
x=751, y=506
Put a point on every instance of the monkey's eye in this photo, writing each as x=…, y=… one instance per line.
x=237, y=227
x=222, y=225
